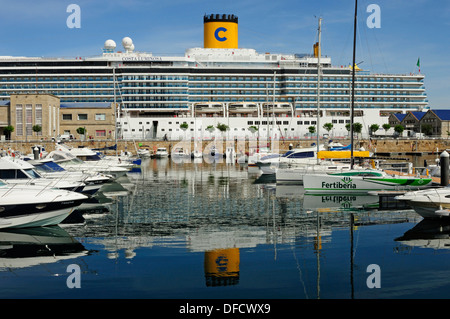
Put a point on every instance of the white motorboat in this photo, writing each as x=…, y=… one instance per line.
x=429, y=203
x=49, y=169
x=161, y=152
x=294, y=175
x=17, y=171
x=72, y=163
x=144, y=153
x=31, y=206
x=361, y=181
x=256, y=157
x=87, y=155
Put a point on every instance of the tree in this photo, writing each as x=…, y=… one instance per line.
x=312, y=129
x=253, y=129
x=399, y=129
x=184, y=126
x=374, y=128
x=222, y=127
x=8, y=130
x=81, y=130
x=328, y=127
x=427, y=129
x=357, y=128
x=386, y=127
x=37, y=128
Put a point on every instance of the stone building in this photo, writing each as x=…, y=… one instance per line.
x=438, y=122
x=33, y=110
x=27, y=111
x=96, y=118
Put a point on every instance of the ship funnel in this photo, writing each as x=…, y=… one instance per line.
x=220, y=31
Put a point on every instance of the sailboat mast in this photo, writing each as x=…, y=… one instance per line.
x=318, y=87
x=353, y=85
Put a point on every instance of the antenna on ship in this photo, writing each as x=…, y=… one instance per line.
x=352, y=160
x=318, y=88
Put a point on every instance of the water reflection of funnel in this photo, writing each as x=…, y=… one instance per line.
x=222, y=267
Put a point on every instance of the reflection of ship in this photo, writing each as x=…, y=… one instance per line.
x=428, y=234
x=222, y=267
x=341, y=202
x=28, y=247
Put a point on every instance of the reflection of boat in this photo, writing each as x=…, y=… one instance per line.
x=343, y=202
x=289, y=191
x=28, y=247
x=34, y=206
x=428, y=234
x=428, y=203
x=361, y=181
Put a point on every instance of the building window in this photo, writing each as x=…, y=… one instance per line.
x=100, y=133
x=100, y=117
x=29, y=119
x=67, y=117
x=38, y=117
x=82, y=117
x=19, y=120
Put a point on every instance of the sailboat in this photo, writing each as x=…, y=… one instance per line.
x=359, y=180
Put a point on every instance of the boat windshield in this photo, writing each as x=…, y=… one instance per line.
x=88, y=158
x=49, y=167
x=32, y=173
x=270, y=156
x=301, y=154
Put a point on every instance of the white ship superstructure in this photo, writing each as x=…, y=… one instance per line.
x=238, y=87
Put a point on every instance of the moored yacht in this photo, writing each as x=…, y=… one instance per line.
x=429, y=203
x=361, y=181
x=49, y=169
x=17, y=171
x=31, y=206
x=72, y=163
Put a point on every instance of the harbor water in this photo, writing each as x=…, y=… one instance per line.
x=218, y=231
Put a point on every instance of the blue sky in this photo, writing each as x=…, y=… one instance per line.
x=409, y=29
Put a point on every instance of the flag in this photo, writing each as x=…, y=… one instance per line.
x=418, y=63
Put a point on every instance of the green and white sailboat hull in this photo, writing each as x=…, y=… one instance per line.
x=361, y=181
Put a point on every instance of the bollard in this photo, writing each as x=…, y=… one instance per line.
x=36, y=153
x=291, y=146
x=444, y=168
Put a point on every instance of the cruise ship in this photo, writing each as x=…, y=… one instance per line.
x=253, y=94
